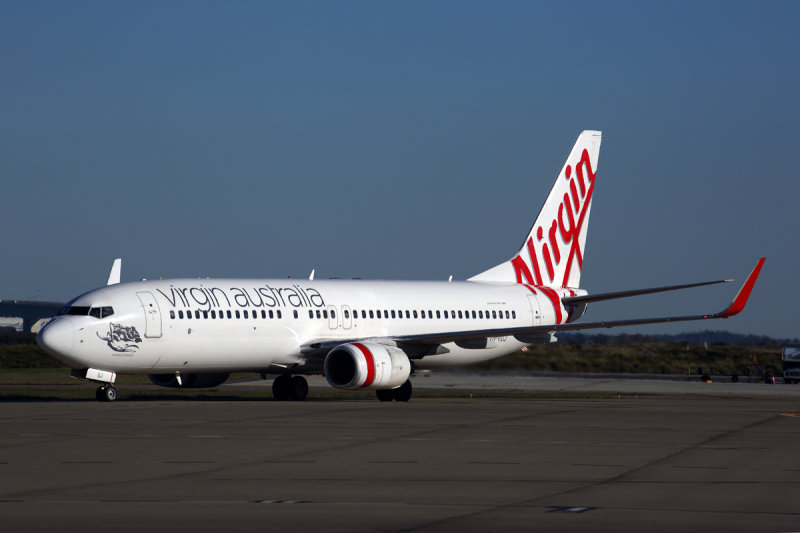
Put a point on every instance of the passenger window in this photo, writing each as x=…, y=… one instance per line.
x=494, y=314
x=172, y=314
x=333, y=313
x=480, y=314
x=408, y=315
x=486, y=315
x=346, y=313
x=473, y=314
x=295, y=313
x=378, y=313
x=438, y=314
x=279, y=313
x=197, y=314
x=263, y=314
x=270, y=313
x=237, y=314
x=324, y=313
x=371, y=314
x=213, y=314
x=506, y=314
x=513, y=314
x=385, y=313
x=189, y=315
x=310, y=313
x=415, y=313
x=180, y=315
x=364, y=314
x=229, y=314
x=393, y=315
x=459, y=314
x=430, y=314
x=445, y=314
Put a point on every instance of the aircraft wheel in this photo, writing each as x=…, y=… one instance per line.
x=280, y=387
x=110, y=393
x=106, y=393
x=403, y=392
x=298, y=388
x=385, y=395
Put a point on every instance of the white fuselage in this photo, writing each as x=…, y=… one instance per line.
x=205, y=325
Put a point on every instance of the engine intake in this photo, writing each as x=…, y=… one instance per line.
x=359, y=365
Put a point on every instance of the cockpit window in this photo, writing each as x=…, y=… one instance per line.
x=101, y=312
x=82, y=310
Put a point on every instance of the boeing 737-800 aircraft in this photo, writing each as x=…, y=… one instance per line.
x=359, y=334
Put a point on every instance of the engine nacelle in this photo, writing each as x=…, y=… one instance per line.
x=189, y=381
x=365, y=365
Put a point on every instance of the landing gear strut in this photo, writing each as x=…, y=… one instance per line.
x=286, y=387
x=106, y=393
x=400, y=394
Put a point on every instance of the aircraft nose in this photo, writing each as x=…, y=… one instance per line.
x=57, y=337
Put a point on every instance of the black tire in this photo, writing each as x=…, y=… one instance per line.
x=403, y=392
x=385, y=395
x=110, y=393
x=280, y=388
x=298, y=388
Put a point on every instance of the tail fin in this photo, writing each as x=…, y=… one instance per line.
x=552, y=254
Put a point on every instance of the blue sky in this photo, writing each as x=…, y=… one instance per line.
x=404, y=140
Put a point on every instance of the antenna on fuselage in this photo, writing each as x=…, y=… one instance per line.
x=311, y=277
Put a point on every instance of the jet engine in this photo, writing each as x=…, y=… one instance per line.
x=365, y=365
x=188, y=381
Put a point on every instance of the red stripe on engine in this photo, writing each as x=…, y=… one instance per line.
x=370, y=364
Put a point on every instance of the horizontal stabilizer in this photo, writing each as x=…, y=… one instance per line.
x=572, y=300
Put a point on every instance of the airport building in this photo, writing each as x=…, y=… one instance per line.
x=22, y=316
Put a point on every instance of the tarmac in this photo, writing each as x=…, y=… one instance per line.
x=661, y=455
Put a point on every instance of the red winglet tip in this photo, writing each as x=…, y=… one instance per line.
x=740, y=300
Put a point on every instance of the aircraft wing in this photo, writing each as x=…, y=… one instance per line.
x=524, y=333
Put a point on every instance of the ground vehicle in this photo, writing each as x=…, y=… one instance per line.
x=790, y=361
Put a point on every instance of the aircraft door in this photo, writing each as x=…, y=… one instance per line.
x=536, y=314
x=152, y=314
x=333, y=322
x=347, y=320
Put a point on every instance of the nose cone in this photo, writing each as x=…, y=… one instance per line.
x=57, y=337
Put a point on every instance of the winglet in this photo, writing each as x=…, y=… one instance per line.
x=740, y=300
x=116, y=269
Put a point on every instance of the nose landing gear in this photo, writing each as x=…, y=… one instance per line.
x=106, y=393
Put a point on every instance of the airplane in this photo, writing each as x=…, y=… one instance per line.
x=359, y=334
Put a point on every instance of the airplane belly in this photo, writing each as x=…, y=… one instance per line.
x=460, y=356
x=240, y=348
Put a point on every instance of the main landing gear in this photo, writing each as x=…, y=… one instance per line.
x=400, y=394
x=106, y=393
x=286, y=387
